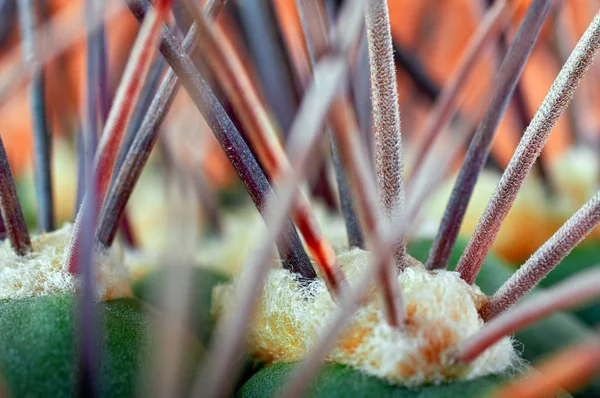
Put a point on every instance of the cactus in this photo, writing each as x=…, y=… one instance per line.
x=283, y=305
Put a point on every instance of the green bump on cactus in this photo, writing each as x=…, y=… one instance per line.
x=336, y=380
x=204, y=281
x=38, y=353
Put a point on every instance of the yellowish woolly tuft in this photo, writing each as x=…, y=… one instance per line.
x=43, y=271
x=140, y=263
x=228, y=252
x=535, y=216
x=147, y=211
x=333, y=226
x=441, y=310
x=526, y=227
x=575, y=174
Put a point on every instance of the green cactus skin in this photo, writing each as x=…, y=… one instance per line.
x=38, y=347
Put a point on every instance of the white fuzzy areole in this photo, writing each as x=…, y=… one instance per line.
x=43, y=272
x=441, y=310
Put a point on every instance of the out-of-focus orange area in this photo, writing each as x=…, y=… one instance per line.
x=66, y=87
x=438, y=32
x=442, y=54
x=65, y=83
x=435, y=33
x=569, y=370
